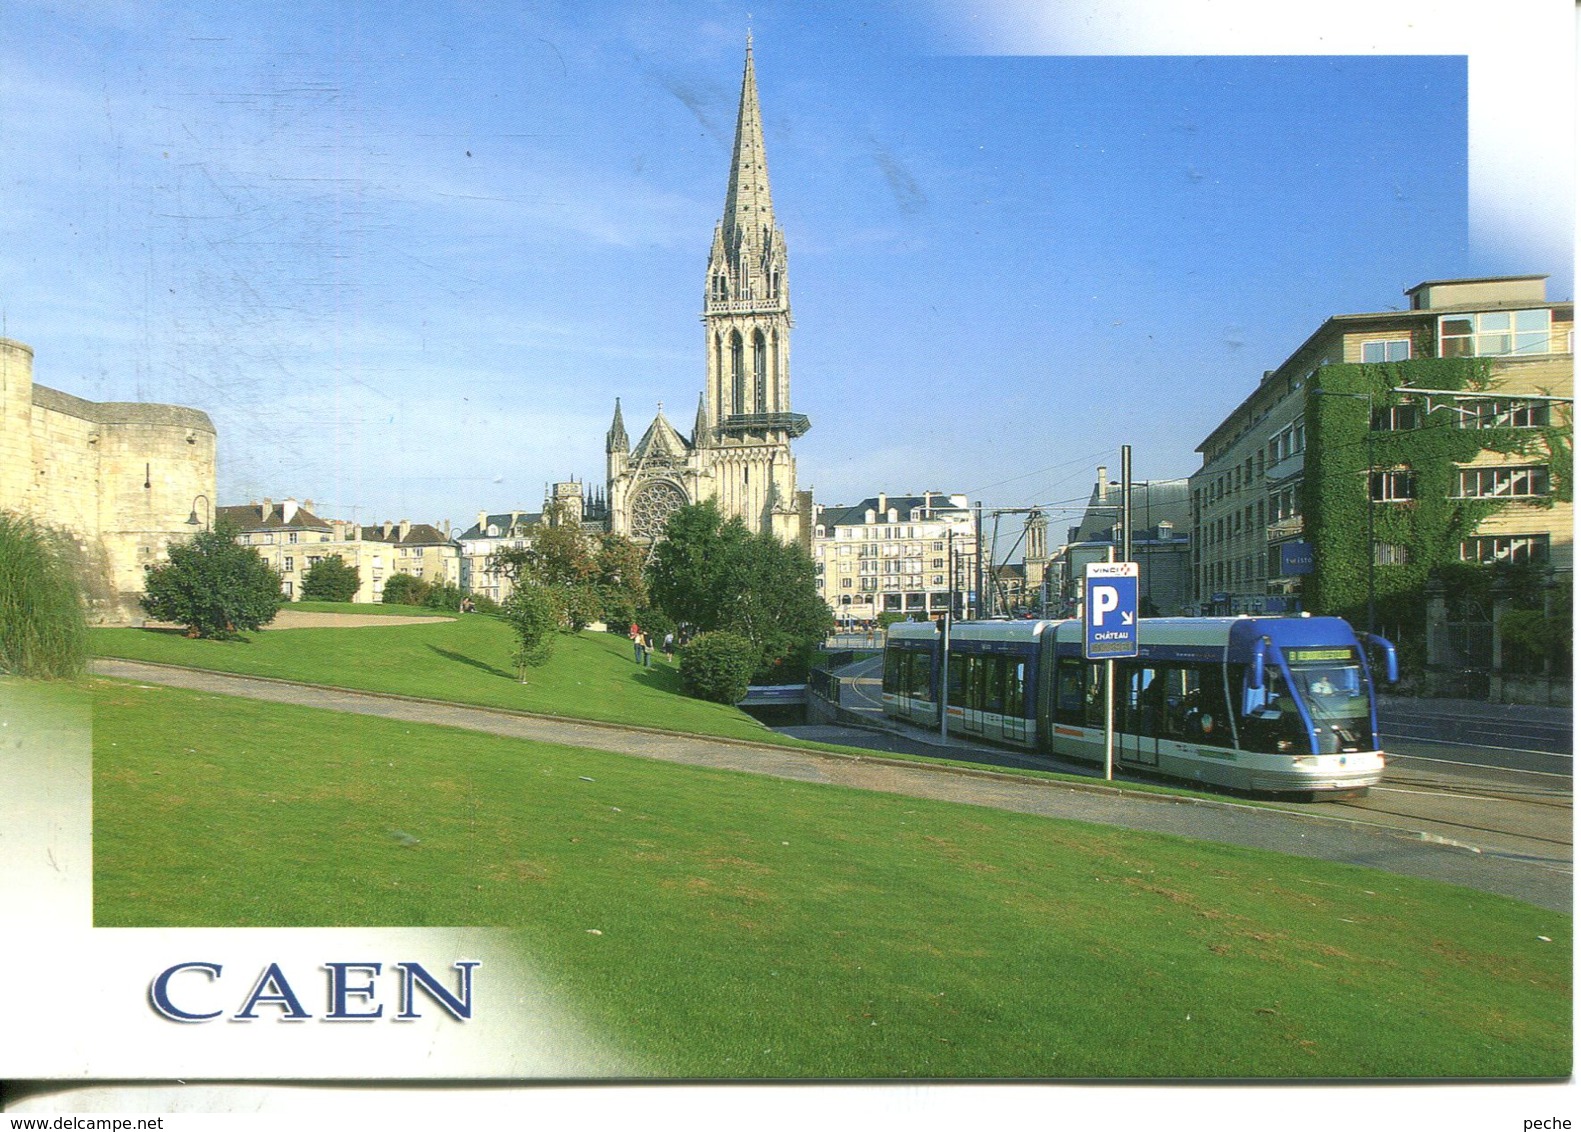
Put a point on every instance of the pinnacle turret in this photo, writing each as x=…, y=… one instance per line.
x=616, y=440
x=749, y=210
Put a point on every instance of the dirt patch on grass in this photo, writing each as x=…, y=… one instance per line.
x=302, y=619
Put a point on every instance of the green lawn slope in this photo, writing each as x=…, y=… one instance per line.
x=466, y=660
x=723, y=924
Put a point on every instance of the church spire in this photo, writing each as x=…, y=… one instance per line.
x=616, y=440
x=749, y=210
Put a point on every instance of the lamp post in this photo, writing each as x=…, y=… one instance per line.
x=1372, y=548
x=192, y=519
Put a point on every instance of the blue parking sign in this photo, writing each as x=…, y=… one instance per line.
x=1109, y=617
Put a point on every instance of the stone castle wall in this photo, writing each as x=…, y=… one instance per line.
x=121, y=478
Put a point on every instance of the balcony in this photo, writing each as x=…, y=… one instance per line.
x=1285, y=528
x=794, y=423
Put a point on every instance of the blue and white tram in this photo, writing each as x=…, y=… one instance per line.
x=1264, y=704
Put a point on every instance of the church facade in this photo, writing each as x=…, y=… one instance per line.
x=739, y=450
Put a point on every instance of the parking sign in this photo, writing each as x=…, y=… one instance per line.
x=1109, y=617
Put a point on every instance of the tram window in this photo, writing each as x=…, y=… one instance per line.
x=919, y=676
x=1205, y=710
x=994, y=684
x=1173, y=683
x=1141, y=691
x=1092, y=695
x=958, y=680
x=892, y=663
x=1069, y=704
x=1016, y=688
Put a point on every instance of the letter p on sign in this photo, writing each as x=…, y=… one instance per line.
x=1105, y=599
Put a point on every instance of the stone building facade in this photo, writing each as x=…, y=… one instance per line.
x=912, y=555
x=121, y=478
x=292, y=539
x=739, y=450
x=1253, y=537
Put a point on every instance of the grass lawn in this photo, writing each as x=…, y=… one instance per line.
x=757, y=927
x=367, y=609
x=467, y=660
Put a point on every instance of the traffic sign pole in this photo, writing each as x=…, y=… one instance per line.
x=1110, y=629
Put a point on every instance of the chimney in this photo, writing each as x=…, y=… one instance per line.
x=1103, y=484
x=406, y=528
x=883, y=503
x=265, y=509
x=483, y=523
x=387, y=527
x=288, y=510
x=927, y=505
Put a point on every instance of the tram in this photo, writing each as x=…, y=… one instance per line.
x=1268, y=705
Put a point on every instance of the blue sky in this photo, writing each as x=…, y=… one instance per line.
x=407, y=255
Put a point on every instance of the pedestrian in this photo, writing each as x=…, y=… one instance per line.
x=636, y=642
x=669, y=648
x=645, y=648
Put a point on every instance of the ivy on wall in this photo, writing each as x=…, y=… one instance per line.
x=1429, y=528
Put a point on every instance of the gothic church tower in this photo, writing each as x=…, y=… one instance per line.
x=739, y=453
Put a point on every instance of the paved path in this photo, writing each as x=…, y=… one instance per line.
x=1546, y=884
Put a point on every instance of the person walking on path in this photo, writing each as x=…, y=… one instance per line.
x=669, y=648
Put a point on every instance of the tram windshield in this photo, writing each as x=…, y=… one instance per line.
x=1332, y=684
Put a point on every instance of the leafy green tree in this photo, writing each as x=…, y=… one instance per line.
x=533, y=616
x=711, y=575
x=331, y=579
x=442, y=595
x=214, y=586
x=43, y=627
x=621, y=580
x=404, y=589
x=562, y=560
x=695, y=571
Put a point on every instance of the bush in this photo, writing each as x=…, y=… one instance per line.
x=43, y=628
x=718, y=667
x=331, y=579
x=404, y=589
x=442, y=595
x=483, y=603
x=214, y=586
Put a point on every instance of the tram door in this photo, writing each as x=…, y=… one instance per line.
x=1139, y=709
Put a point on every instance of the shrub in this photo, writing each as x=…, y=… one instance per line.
x=718, y=667
x=331, y=579
x=214, y=586
x=43, y=627
x=442, y=595
x=404, y=589
x=483, y=603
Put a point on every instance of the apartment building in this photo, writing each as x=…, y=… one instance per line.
x=915, y=555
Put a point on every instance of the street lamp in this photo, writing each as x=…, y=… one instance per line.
x=1372, y=548
x=192, y=519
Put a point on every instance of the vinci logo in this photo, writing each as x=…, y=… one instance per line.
x=186, y=992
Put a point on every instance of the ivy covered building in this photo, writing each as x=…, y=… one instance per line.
x=1392, y=452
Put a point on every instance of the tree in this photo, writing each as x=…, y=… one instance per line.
x=621, y=580
x=214, y=586
x=43, y=628
x=711, y=575
x=331, y=579
x=695, y=567
x=533, y=616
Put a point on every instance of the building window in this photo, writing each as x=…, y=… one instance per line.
x=1518, y=482
x=1392, y=350
x=291, y=537
x=1502, y=413
x=1393, y=484
x=1396, y=418
x=1498, y=550
x=1389, y=554
x=290, y=564
x=1493, y=334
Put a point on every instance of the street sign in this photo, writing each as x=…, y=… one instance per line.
x=1109, y=619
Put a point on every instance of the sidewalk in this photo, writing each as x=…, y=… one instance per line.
x=1282, y=831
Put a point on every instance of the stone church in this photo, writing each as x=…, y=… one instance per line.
x=739, y=450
